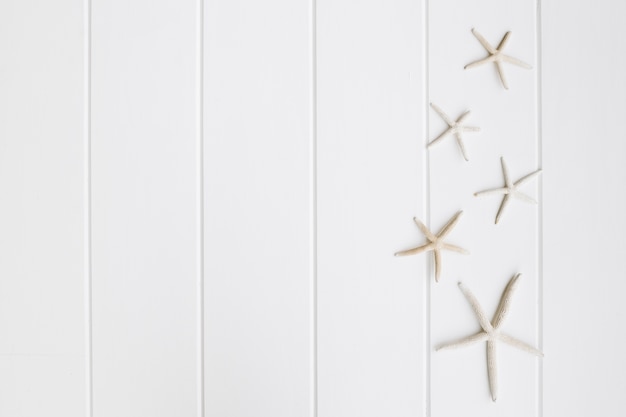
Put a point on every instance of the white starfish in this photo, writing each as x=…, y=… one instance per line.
x=436, y=243
x=491, y=332
x=496, y=56
x=510, y=189
x=455, y=128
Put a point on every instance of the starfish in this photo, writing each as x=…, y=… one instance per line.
x=454, y=127
x=435, y=242
x=510, y=189
x=496, y=56
x=491, y=332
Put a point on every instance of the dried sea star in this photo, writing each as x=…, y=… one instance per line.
x=496, y=56
x=436, y=243
x=491, y=332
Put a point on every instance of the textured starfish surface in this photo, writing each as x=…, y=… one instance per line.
x=496, y=56
x=491, y=332
x=510, y=189
x=436, y=243
x=455, y=128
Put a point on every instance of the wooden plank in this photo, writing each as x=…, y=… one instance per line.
x=258, y=335
x=42, y=320
x=371, y=345
x=144, y=181
x=584, y=102
x=509, y=125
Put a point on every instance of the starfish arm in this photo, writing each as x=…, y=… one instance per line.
x=478, y=310
x=527, y=178
x=475, y=64
x=466, y=341
x=441, y=136
x=468, y=129
x=501, y=74
x=504, y=41
x=505, y=173
x=459, y=141
x=505, y=202
x=462, y=117
x=524, y=197
x=492, y=369
x=515, y=61
x=442, y=114
x=437, y=255
x=483, y=42
x=502, y=190
x=415, y=251
x=505, y=302
x=429, y=235
x=509, y=340
x=454, y=248
x=450, y=225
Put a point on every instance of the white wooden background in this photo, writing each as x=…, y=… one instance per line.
x=200, y=200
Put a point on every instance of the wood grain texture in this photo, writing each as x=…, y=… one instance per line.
x=258, y=336
x=42, y=321
x=371, y=346
x=144, y=184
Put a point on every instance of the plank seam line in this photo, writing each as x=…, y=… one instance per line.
x=313, y=209
x=539, y=53
x=426, y=286
x=200, y=200
x=87, y=246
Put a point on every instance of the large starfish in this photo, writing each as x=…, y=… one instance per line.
x=496, y=56
x=491, y=332
x=435, y=242
x=455, y=128
x=510, y=189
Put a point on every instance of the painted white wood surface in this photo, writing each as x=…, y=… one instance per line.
x=370, y=304
x=42, y=321
x=258, y=209
x=508, y=122
x=144, y=204
x=584, y=102
x=251, y=274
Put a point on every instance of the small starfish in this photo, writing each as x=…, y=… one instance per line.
x=454, y=127
x=491, y=332
x=510, y=189
x=496, y=56
x=436, y=243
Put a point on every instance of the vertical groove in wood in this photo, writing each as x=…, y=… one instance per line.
x=427, y=283
x=539, y=336
x=200, y=201
x=87, y=205
x=313, y=208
